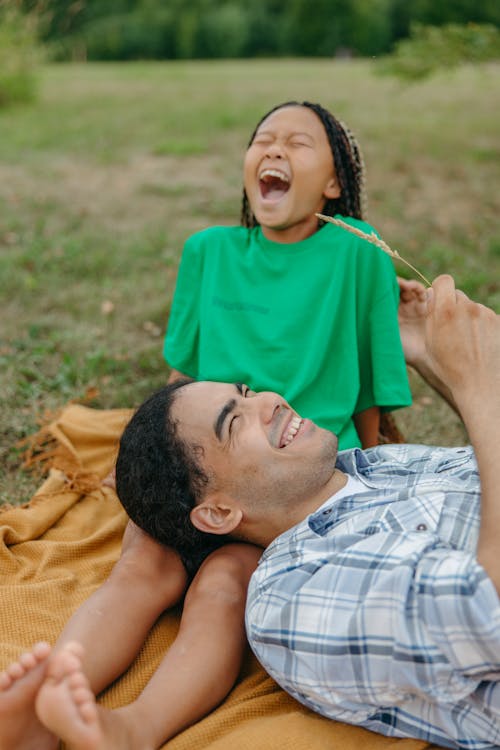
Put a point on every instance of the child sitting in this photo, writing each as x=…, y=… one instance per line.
x=287, y=303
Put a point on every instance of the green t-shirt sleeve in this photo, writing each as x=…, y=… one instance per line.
x=384, y=377
x=181, y=343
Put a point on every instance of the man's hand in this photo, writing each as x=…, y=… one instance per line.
x=462, y=341
x=455, y=345
x=463, y=345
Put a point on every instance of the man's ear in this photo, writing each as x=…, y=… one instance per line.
x=217, y=514
x=332, y=189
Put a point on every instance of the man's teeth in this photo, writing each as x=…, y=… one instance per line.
x=292, y=430
x=274, y=173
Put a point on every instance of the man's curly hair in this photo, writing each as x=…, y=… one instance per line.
x=159, y=478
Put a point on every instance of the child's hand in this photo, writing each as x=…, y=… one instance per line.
x=411, y=316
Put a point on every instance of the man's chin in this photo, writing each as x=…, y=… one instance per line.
x=330, y=442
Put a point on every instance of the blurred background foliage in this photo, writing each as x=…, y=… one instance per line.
x=432, y=47
x=20, y=53
x=413, y=38
x=178, y=29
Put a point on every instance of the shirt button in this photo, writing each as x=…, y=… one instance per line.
x=422, y=527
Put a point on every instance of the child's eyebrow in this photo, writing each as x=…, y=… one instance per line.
x=301, y=134
x=294, y=134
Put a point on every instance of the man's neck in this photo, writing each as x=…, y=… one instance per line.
x=337, y=481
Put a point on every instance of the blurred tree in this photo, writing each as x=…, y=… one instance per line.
x=339, y=26
x=267, y=33
x=319, y=29
x=400, y=18
x=224, y=32
x=431, y=48
x=146, y=32
x=126, y=29
x=434, y=13
x=370, y=30
x=19, y=54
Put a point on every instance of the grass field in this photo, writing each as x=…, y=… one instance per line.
x=103, y=178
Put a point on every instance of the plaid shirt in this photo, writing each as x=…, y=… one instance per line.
x=374, y=610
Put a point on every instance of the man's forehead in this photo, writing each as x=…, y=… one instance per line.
x=200, y=410
x=208, y=389
x=200, y=400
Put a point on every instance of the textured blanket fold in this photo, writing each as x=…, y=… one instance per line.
x=58, y=549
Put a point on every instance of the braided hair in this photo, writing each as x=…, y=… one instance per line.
x=348, y=161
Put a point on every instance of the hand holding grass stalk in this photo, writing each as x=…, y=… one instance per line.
x=374, y=240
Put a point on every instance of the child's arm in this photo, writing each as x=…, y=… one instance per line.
x=176, y=375
x=113, y=623
x=367, y=424
x=202, y=664
x=200, y=667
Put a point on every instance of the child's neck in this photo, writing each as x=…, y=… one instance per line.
x=295, y=233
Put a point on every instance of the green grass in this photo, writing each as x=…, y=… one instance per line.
x=104, y=177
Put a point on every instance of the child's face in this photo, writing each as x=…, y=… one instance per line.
x=289, y=173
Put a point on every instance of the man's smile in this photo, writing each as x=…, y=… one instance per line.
x=291, y=430
x=285, y=428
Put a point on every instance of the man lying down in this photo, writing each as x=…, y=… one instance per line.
x=375, y=600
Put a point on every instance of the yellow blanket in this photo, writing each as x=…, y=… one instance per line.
x=56, y=551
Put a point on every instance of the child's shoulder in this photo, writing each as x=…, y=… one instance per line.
x=217, y=234
x=360, y=224
x=214, y=242
x=363, y=254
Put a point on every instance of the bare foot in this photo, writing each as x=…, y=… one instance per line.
x=67, y=706
x=20, y=727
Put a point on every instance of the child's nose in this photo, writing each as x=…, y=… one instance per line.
x=275, y=150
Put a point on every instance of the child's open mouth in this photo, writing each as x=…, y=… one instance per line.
x=273, y=184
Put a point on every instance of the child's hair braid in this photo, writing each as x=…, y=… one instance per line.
x=348, y=161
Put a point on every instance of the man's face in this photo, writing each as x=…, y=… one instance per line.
x=256, y=449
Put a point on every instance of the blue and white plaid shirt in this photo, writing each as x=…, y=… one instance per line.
x=374, y=609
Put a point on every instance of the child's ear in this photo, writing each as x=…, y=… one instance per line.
x=216, y=515
x=332, y=189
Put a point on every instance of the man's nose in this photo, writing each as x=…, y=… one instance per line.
x=269, y=405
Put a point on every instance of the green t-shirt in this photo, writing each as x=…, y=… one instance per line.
x=315, y=321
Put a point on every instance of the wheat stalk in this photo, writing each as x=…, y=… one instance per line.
x=374, y=241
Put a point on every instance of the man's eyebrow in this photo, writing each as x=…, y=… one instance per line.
x=225, y=411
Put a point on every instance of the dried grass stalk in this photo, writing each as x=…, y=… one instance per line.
x=374, y=241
